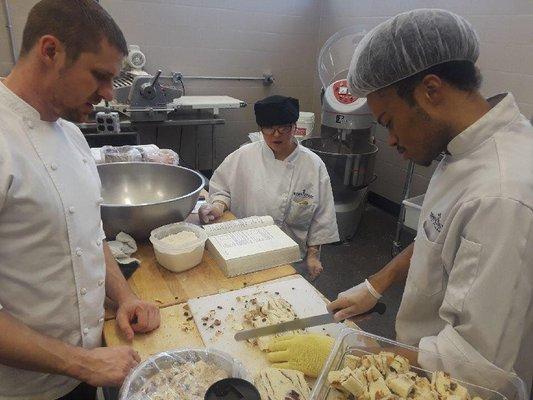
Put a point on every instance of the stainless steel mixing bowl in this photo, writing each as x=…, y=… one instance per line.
x=139, y=197
x=350, y=167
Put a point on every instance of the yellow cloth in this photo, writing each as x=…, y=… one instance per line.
x=303, y=352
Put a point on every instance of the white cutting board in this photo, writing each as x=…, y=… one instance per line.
x=304, y=298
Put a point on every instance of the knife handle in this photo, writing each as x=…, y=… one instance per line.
x=379, y=308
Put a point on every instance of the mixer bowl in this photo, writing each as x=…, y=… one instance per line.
x=350, y=167
x=139, y=197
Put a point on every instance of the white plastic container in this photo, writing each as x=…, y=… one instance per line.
x=305, y=125
x=413, y=206
x=178, y=258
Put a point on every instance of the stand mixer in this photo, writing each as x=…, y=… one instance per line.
x=346, y=143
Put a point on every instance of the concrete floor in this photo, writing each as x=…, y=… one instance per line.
x=346, y=265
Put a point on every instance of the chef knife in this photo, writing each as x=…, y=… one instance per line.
x=300, y=323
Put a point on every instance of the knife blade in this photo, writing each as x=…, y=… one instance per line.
x=300, y=323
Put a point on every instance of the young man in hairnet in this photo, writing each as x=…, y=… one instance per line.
x=280, y=178
x=55, y=267
x=469, y=274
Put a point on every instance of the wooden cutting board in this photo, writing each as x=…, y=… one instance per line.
x=175, y=332
x=304, y=298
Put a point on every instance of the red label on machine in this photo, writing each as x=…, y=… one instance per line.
x=341, y=92
x=301, y=132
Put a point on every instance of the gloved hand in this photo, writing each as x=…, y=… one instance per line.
x=354, y=301
x=303, y=352
x=314, y=267
x=210, y=212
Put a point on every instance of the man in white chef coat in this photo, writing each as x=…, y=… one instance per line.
x=280, y=178
x=55, y=267
x=469, y=274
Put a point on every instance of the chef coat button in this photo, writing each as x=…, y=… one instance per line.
x=71, y=210
x=99, y=201
x=30, y=124
x=53, y=166
x=83, y=291
x=101, y=321
x=79, y=252
x=98, y=242
x=84, y=160
x=100, y=282
x=85, y=331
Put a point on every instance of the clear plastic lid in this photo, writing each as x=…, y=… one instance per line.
x=485, y=381
x=336, y=55
x=147, y=380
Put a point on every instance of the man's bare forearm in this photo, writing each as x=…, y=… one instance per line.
x=313, y=251
x=116, y=286
x=394, y=272
x=24, y=348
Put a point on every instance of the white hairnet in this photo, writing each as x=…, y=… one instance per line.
x=407, y=44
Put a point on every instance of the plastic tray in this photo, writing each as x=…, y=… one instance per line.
x=480, y=380
x=133, y=384
x=413, y=206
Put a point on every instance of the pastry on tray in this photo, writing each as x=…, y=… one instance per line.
x=387, y=376
x=282, y=384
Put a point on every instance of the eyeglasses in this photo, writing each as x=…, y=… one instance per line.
x=283, y=129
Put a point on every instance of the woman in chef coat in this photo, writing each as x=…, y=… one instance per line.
x=280, y=178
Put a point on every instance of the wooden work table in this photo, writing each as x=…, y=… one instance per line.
x=172, y=290
x=152, y=282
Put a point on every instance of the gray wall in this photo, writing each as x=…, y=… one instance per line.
x=210, y=37
x=505, y=29
x=283, y=37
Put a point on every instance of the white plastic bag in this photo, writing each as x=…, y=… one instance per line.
x=111, y=154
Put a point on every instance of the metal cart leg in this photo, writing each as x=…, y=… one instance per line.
x=213, y=148
x=396, y=245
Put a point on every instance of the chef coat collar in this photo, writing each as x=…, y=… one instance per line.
x=267, y=151
x=504, y=110
x=18, y=105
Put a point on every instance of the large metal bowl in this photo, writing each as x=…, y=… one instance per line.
x=350, y=166
x=139, y=197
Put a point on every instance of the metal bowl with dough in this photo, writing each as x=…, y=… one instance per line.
x=139, y=197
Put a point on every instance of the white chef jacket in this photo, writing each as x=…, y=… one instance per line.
x=295, y=192
x=52, y=269
x=469, y=290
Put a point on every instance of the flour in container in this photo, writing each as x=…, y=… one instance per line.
x=180, y=239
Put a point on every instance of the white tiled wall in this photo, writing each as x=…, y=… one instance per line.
x=283, y=37
x=506, y=61
x=210, y=37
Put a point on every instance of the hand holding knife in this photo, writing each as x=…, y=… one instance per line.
x=301, y=323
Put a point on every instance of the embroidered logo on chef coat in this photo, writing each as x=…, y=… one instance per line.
x=436, y=221
x=302, y=197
